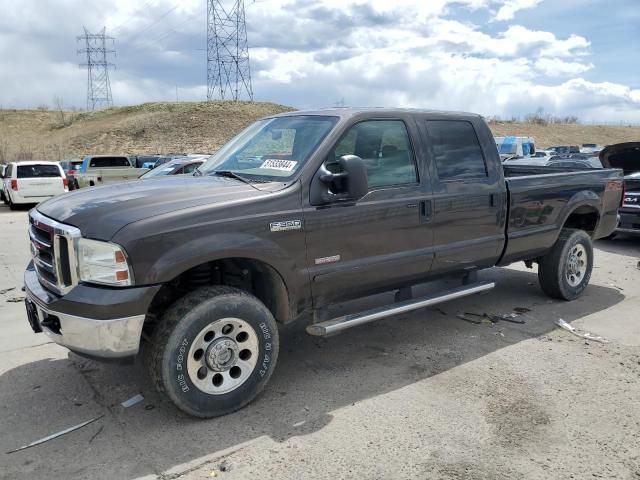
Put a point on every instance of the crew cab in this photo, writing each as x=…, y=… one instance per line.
x=32, y=182
x=298, y=212
x=105, y=169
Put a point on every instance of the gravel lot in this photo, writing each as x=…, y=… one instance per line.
x=424, y=395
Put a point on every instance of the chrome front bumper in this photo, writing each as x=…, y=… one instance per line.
x=100, y=338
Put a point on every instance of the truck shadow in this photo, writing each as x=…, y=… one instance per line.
x=622, y=244
x=314, y=378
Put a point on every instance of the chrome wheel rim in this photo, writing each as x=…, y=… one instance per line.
x=223, y=356
x=576, y=267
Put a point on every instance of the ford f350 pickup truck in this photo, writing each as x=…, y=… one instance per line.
x=298, y=212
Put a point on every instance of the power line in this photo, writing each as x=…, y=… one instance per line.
x=98, y=85
x=228, y=69
x=132, y=16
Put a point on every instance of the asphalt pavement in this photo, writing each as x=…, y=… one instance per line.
x=422, y=395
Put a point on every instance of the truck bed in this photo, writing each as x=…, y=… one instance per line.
x=541, y=199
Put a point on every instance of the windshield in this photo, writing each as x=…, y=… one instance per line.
x=272, y=149
x=162, y=170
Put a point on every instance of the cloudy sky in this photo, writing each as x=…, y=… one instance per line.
x=495, y=57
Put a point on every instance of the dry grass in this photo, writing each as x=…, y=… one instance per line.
x=567, y=134
x=200, y=127
x=147, y=128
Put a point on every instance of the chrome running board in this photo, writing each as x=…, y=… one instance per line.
x=342, y=323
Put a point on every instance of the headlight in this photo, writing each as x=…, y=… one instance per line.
x=103, y=262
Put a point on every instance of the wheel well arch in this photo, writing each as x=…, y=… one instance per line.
x=584, y=217
x=249, y=274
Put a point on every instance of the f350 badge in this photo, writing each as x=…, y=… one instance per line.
x=286, y=225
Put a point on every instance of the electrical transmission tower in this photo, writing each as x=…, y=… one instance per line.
x=228, y=71
x=98, y=86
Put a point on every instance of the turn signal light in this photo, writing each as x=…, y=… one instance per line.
x=14, y=185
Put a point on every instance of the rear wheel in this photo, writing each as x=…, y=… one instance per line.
x=214, y=351
x=565, y=271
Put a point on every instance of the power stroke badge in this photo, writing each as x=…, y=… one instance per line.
x=286, y=225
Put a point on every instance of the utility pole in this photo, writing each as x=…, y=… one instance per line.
x=228, y=70
x=98, y=85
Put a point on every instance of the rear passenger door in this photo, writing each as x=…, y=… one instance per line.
x=469, y=194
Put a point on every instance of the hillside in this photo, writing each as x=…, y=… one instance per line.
x=199, y=127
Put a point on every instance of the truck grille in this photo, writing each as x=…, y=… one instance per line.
x=53, y=252
x=631, y=200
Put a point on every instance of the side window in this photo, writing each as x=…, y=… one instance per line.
x=190, y=168
x=456, y=150
x=180, y=171
x=386, y=150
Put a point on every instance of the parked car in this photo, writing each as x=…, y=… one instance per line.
x=627, y=157
x=106, y=169
x=180, y=166
x=70, y=168
x=299, y=212
x=161, y=159
x=565, y=149
x=143, y=161
x=32, y=182
x=511, y=146
x=3, y=168
x=591, y=148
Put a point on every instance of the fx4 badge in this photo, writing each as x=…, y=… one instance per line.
x=286, y=225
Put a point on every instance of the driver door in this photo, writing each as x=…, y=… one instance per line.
x=382, y=241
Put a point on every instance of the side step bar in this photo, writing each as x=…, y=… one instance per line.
x=342, y=323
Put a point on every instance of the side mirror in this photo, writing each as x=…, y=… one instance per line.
x=349, y=181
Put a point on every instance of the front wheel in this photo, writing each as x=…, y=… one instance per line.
x=564, y=272
x=214, y=351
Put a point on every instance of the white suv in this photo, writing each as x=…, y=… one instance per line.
x=33, y=182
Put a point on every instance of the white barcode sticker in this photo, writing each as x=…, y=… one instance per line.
x=284, y=165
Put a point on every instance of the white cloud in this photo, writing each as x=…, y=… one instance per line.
x=304, y=53
x=510, y=7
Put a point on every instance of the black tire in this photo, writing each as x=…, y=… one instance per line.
x=180, y=327
x=12, y=205
x=554, y=270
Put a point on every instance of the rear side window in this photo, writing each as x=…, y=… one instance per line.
x=456, y=150
x=102, y=162
x=34, y=171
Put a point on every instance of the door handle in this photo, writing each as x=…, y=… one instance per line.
x=425, y=211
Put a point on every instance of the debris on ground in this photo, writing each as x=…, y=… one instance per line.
x=586, y=335
x=469, y=317
x=56, y=435
x=507, y=317
x=15, y=299
x=132, y=401
x=149, y=407
x=2, y=292
x=521, y=309
x=489, y=319
x=96, y=434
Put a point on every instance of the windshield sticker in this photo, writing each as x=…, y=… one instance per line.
x=284, y=165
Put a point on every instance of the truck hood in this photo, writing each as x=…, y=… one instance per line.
x=99, y=212
x=622, y=155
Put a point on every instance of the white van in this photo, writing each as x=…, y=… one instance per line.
x=33, y=182
x=515, y=146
